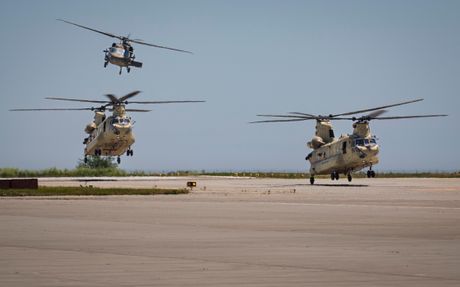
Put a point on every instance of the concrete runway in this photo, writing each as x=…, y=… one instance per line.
x=237, y=232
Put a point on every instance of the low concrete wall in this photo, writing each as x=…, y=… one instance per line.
x=20, y=183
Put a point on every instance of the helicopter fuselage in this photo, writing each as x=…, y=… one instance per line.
x=349, y=153
x=121, y=55
x=345, y=155
x=112, y=137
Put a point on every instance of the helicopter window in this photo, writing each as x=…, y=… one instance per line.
x=118, y=51
x=331, y=133
x=344, y=147
x=365, y=142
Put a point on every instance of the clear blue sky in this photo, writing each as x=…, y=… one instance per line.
x=250, y=57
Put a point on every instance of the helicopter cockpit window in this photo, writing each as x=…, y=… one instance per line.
x=365, y=142
x=120, y=121
x=117, y=51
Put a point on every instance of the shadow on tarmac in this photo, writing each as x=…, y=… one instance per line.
x=325, y=184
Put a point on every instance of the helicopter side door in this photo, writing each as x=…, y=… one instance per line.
x=344, y=147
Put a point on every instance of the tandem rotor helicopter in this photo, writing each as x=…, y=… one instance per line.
x=348, y=153
x=122, y=54
x=112, y=135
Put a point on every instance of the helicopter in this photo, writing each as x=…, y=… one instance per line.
x=122, y=54
x=108, y=135
x=348, y=153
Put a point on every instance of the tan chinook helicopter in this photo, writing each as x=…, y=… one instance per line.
x=122, y=54
x=348, y=153
x=112, y=135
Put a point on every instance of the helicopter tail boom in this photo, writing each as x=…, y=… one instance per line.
x=136, y=64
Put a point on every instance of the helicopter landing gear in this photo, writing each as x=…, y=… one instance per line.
x=335, y=175
x=370, y=173
x=312, y=180
x=128, y=69
x=118, y=160
x=349, y=177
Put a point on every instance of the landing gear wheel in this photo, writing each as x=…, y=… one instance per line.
x=312, y=180
x=128, y=69
x=372, y=173
x=349, y=177
x=335, y=175
x=118, y=159
x=368, y=174
x=85, y=160
x=105, y=64
x=119, y=73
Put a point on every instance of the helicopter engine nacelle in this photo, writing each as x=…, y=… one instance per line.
x=315, y=142
x=90, y=127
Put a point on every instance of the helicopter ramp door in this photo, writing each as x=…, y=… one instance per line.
x=136, y=64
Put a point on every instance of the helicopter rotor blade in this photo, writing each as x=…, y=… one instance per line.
x=91, y=29
x=409, y=117
x=288, y=116
x=374, y=109
x=113, y=99
x=138, y=110
x=278, y=121
x=302, y=114
x=164, y=102
x=54, y=109
x=130, y=95
x=375, y=114
x=134, y=110
x=76, y=100
x=157, y=46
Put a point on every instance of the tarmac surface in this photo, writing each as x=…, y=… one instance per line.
x=236, y=232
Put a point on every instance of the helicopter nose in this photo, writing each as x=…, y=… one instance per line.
x=372, y=150
x=119, y=129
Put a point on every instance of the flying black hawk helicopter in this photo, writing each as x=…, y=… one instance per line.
x=122, y=54
x=348, y=153
x=112, y=135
